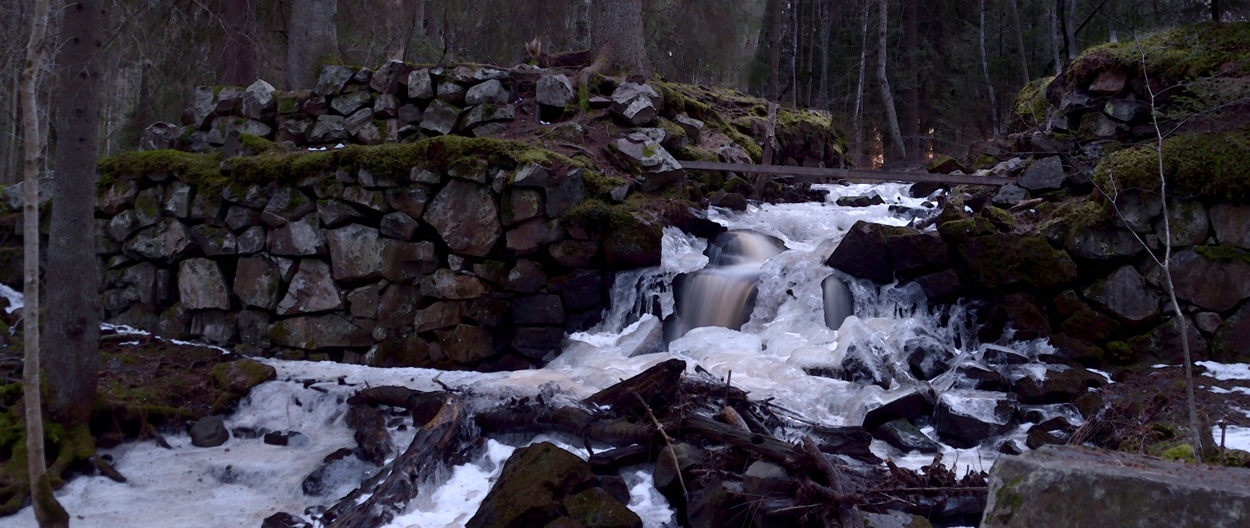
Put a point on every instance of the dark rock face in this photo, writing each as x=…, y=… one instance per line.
x=863, y=252
x=903, y=435
x=1043, y=174
x=1229, y=342
x=318, y=332
x=1003, y=259
x=1126, y=295
x=1213, y=285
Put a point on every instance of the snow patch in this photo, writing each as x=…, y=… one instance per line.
x=1225, y=371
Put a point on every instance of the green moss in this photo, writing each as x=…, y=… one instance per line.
x=1031, y=103
x=192, y=168
x=1182, y=452
x=1195, y=164
x=1171, y=56
x=797, y=118
x=1223, y=253
x=597, y=185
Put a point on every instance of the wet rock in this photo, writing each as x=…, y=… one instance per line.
x=466, y=343
x=903, y=435
x=565, y=193
x=256, y=282
x=554, y=91
x=420, y=86
x=1003, y=259
x=332, y=80
x=1187, y=223
x=446, y=284
x=242, y=375
x=1215, y=285
x=311, y=290
x=208, y=431
x=636, y=104
x=1043, y=174
x=299, y=238
x=665, y=475
x=999, y=355
x=539, y=343
x=634, y=245
x=355, y=252
x=526, y=276
x=1163, y=345
x=532, y=488
x=406, y=261
x=945, y=165
x=283, y=520
x=1231, y=224
x=167, y=241
x=334, y=213
x=900, y=404
x=329, y=129
x=927, y=357
x=287, y=205
x=595, y=507
x=963, y=418
x=316, y=332
x=440, y=118
x=538, y=310
x=764, y=478
x=1076, y=486
x=409, y=201
x=1126, y=295
x=465, y=216
x=200, y=285
x=1049, y=384
x=863, y=252
x=287, y=438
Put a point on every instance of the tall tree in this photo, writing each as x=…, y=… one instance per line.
x=774, y=49
x=73, y=329
x=1020, y=51
x=1053, y=14
x=887, y=95
x=312, y=38
x=985, y=68
x=238, y=57
x=910, y=90
x=618, y=36
x=47, y=510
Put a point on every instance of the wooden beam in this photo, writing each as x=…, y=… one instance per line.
x=815, y=173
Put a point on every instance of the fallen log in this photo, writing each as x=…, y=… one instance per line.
x=656, y=386
x=763, y=445
x=439, y=444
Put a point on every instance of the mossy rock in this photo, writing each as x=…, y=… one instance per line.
x=1004, y=259
x=966, y=229
x=595, y=508
x=240, y=376
x=1171, y=56
x=1031, y=103
x=1195, y=164
x=534, y=482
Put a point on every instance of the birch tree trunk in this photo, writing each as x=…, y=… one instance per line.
x=47, y=510
x=311, y=39
x=985, y=68
x=887, y=96
x=1023, y=55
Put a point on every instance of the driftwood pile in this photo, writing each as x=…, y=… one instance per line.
x=743, y=462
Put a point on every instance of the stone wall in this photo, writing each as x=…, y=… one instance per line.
x=474, y=266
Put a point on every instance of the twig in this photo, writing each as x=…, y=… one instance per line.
x=672, y=453
x=837, y=481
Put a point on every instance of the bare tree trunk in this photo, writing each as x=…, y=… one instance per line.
x=985, y=68
x=1069, y=25
x=887, y=96
x=774, y=51
x=1024, y=56
x=47, y=510
x=858, y=146
x=1112, y=19
x=1052, y=14
x=809, y=68
x=73, y=329
x=397, y=28
x=794, y=53
x=825, y=16
x=1216, y=8
x=618, y=33
x=910, y=89
x=311, y=39
x=238, y=57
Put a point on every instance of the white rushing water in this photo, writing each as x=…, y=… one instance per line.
x=244, y=481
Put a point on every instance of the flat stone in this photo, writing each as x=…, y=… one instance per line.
x=332, y=79
x=439, y=315
x=256, y=282
x=465, y=216
x=446, y=284
x=364, y=300
x=214, y=241
x=311, y=290
x=1043, y=174
x=1108, y=82
x=167, y=241
x=407, y=261
x=201, y=286
x=287, y=205
x=1216, y=286
x=1231, y=224
x=356, y=252
x=420, y=86
x=1084, y=487
x=491, y=92
x=1187, y=223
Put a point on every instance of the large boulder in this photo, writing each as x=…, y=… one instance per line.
x=311, y=290
x=440, y=117
x=863, y=252
x=1003, y=258
x=356, y=252
x=201, y=286
x=1231, y=224
x=167, y=241
x=1043, y=174
x=1083, y=487
x=963, y=418
x=554, y=90
x=465, y=216
x=637, y=153
x=1100, y=241
x=256, y=282
x=1215, y=284
x=532, y=488
x=1187, y=223
x=636, y=104
x=1229, y=342
x=302, y=237
x=1125, y=294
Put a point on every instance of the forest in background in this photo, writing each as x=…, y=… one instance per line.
x=952, y=67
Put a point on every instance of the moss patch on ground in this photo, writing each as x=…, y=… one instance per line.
x=1195, y=164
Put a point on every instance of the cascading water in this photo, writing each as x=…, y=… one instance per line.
x=758, y=301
